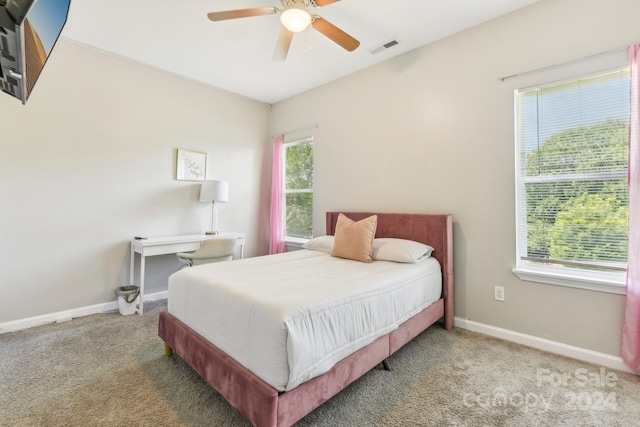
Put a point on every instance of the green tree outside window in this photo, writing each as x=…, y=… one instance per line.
x=299, y=189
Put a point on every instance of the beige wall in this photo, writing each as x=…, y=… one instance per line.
x=89, y=162
x=432, y=131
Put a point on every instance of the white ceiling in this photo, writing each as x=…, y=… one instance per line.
x=235, y=55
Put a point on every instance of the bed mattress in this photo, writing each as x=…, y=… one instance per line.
x=290, y=317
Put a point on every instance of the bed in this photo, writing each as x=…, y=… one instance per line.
x=277, y=400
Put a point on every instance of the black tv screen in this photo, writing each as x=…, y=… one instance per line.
x=28, y=31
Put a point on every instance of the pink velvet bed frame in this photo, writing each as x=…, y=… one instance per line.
x=264, y=406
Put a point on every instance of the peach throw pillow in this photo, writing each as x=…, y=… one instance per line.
x=354, y=240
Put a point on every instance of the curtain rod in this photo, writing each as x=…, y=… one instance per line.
x=301, y=130
x=584, y=58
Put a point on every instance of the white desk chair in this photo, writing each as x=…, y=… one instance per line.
x=211, y=250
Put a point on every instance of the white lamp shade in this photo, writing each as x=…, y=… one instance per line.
x=295, y=19
x=214, y=191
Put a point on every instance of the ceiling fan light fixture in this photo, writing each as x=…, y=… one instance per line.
x=295, y=19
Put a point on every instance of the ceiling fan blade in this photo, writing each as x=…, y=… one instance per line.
x=241, y=13
x=282, y=45
x=335, y=34
x=321, y=3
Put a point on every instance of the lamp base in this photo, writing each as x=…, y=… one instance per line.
x=212, y=233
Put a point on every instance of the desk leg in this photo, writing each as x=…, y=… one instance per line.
x=132, y=265
x=241, y=251
x=141, y=296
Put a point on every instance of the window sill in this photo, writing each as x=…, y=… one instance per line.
x=609, y=283
x=295, y=242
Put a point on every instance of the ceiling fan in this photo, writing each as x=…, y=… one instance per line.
x=295, y=17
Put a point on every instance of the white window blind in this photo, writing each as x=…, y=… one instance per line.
x=572, y=162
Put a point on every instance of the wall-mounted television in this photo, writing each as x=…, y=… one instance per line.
x=28, y=31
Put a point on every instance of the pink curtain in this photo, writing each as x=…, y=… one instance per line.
x=631, y=329
x=276, y=242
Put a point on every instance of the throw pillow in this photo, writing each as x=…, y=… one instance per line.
x=354, y=240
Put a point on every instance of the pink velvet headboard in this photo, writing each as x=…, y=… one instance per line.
x=433, y=230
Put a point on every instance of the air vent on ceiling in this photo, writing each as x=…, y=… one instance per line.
x=385, y=46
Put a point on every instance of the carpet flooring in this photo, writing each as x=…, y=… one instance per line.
x=110, y=370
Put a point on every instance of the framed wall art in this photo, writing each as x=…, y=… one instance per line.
x=191, y=165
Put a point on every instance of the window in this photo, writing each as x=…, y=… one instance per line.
x=298, y=191
x=571, y=182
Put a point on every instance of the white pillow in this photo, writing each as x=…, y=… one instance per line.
x=399, y=250
x=384, y=249
x=321, y=243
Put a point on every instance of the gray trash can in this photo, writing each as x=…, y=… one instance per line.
x=127, y=296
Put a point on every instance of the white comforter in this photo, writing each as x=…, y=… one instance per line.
x=290, y=317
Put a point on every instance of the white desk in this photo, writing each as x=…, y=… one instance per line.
x=170, y=245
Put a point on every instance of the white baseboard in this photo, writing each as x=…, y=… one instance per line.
x=602, y=359
x=67, y=315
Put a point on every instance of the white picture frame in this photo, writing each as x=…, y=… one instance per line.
x=191, y=165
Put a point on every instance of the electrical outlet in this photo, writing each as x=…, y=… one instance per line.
x=498, y=293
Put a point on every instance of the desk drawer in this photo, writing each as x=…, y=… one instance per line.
x=171, y=248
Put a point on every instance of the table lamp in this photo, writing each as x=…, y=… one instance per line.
x=214, y=192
